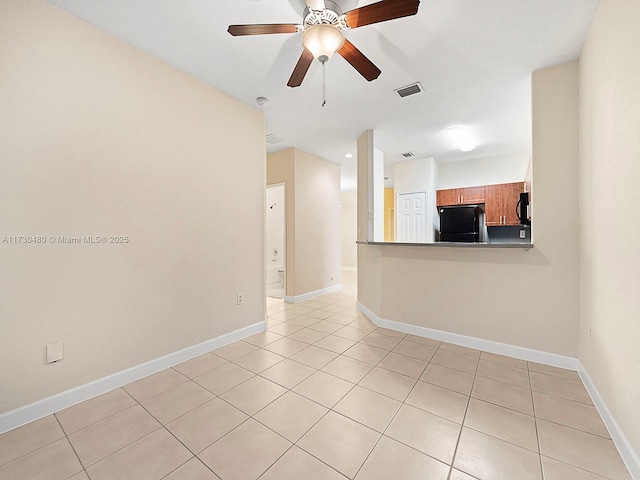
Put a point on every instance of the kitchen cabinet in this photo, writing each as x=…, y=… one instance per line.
x=472, y=195
x=460, y=196
x=447, y=197
x=500, y=204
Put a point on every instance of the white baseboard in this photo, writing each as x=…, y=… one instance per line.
x=628, y=454
x=316, y=293
x=55, y=403
x=490, y=346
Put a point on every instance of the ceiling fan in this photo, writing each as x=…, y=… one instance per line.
x=322, y=33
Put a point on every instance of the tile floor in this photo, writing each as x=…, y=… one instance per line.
x=323, y=394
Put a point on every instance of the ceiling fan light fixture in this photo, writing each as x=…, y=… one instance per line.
x=322, y=40
x=461, y=138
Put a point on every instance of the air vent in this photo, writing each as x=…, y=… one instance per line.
x=407, y=154
x=271, y=138
x=409, y=90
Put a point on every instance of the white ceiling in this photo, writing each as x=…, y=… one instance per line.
x=473, y=57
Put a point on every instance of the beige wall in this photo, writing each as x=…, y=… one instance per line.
x=317, y=223
x=523, y=298
x=349, y=228
x=280, y=169
x=369, y=271
x=313, y=219
x=99, y=138
x=365, y=185
x=609, y=174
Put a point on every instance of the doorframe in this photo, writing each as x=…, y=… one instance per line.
x=266, y=232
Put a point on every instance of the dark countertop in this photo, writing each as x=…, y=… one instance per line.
x=523, y=245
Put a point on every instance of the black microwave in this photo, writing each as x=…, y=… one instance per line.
x=522, y=209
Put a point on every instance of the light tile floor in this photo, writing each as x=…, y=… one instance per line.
x=324, y=394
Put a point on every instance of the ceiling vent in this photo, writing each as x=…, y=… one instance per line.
x=409, y=90
x=271, y=138
x=407, y=154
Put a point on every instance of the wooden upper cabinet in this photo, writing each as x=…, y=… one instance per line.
x=493, y=206
x=447, y=197
x=500, y=204
x=472, y=195
x=513, y=197
x=460, y=196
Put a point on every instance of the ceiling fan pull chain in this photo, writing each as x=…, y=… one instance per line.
x=324, y=84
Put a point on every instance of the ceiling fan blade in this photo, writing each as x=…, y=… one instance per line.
x=262, y=29
x=316, y=5
x=301, y=69
x=381, y=12
x=357, y=59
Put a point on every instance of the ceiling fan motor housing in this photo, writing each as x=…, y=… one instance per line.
x=331, y=15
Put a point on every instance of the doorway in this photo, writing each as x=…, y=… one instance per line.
x=412, y=218
x=275, y=257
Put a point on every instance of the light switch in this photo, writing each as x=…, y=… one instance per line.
x=55, y=352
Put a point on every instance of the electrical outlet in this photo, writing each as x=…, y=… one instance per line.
x=55, y=352
x=240, y=298
x=523, y=234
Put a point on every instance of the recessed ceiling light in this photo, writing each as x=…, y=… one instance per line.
x=461, y=138
x=348, y=155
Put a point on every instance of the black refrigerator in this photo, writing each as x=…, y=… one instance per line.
x=460, y=223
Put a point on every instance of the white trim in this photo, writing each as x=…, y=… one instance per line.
x=55, y=403
x=349, y=269
x=628, y=454
x=490, y=346
x=316, y=293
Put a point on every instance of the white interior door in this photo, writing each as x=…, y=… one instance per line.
x=412, y=217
